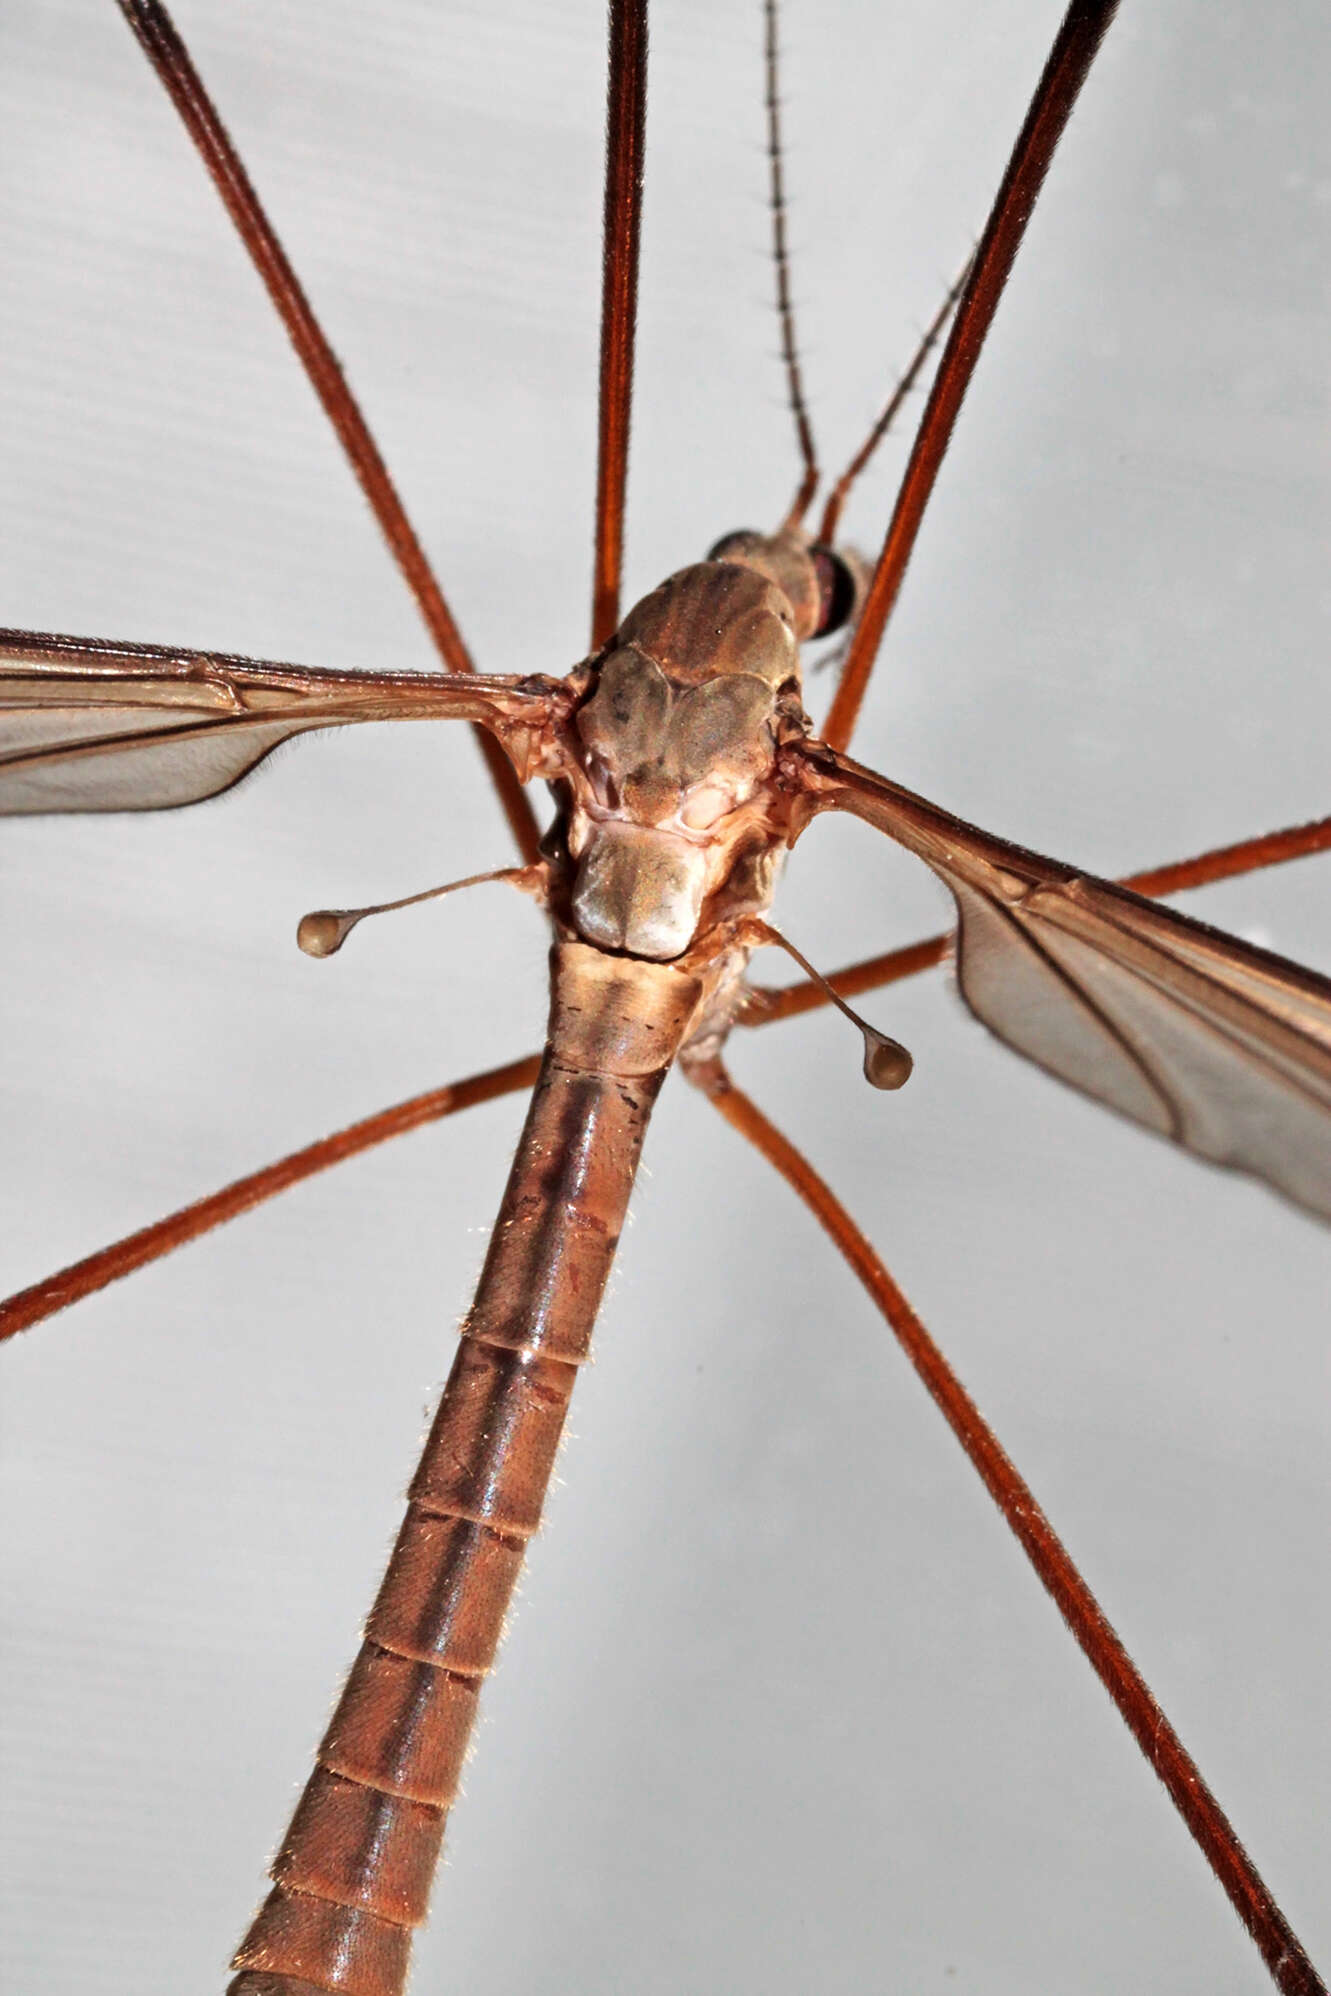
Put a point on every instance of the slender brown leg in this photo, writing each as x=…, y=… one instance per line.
x=1069, y=62
x=892, y=408
x=625, y=138
x=157, y=35
x=1228, y=862
x=1251, y=1899
x=83, y=1278
x=764, y=1005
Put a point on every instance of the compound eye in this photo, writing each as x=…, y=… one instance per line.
x=841, y=587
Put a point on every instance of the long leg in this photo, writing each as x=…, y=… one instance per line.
x=626, y=126
x=84, y=1278
x=170, y=58
x=896, y=401
x=1066, y=70
x=1248, y=1894
x=765, y=1006
x=1282, y=1319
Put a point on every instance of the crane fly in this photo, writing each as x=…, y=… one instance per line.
x=749, y=1339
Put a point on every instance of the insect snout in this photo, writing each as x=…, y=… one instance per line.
x=826, y=585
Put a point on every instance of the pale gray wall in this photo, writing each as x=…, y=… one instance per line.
x=782, y=1709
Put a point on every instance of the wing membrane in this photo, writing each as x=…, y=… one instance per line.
x=91, y=726
x=1222, y=1047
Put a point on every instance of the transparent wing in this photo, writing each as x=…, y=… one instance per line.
x=87, y=725
x=1219, y=1046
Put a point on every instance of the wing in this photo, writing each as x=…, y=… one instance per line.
x=92, y=726
x=1219, y=1046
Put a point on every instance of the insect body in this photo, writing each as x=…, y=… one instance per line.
x=539, y=1763
x=681, y=734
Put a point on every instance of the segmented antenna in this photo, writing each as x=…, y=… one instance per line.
x=836, y=498
x=781, y=259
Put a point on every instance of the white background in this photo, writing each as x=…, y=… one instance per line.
x=782, y=1708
